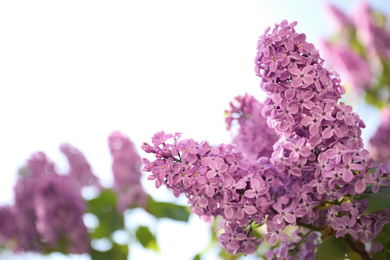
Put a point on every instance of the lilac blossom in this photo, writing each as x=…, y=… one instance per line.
x=318, y=160
x=380, y=142
x=381, y=176
x=375, y=38
x=48, y=208
x=351, y=65
x=26, y=217
x=254, y=138
x=59, y=208
x=8, y=225
x=79, y=168
x=330, y=130
x=221, y=191
x=126, y=170
x=339, y=18
x=38, y=167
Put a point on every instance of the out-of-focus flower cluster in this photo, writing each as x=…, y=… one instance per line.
x=126, y=170
x=317, y=166
x=48, y=210
x=380, y=141
x=254, y=138
x=48, y=207
x=360, y=51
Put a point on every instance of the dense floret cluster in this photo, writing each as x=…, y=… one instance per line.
x=218, y=181
x=317, y=166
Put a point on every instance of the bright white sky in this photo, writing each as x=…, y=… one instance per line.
x=74, y=71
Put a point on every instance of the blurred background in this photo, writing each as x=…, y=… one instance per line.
x=75, y=71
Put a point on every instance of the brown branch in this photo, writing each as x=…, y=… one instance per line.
x=358, y=247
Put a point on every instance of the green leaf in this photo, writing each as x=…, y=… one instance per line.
x=379, y=256
x=384, y=236
x=104, y=208
x=146, y=238
x=117, y=252
x=224, y=255
x=167, y=210
x=377, y=201
x=197, y=257
x=386, y=250
x=353, y=255
x=106, y=200
x=384, y=254
x=332, y=248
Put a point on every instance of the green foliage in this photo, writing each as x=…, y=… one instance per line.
x=377, y=201
x=117, y=252
x=384, y=254
x=332, y=248
x=224, y=255
x=197, y=257
x=104, y=208
x=384, y=236
x=146, y=238
x=167, y=210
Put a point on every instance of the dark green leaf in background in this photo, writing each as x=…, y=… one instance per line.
x=104, y=208
x=332, y=248
x=384, y=236
x=146, y=238
x=117, y=252
x=167, y=210
x=384, y=254
x=377, y=201
x=197, y=257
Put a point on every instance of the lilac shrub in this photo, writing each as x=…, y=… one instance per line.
x=317, y=167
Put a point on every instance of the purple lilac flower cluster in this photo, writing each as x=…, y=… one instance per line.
x=303, y=246
x=48, y=209
x=350, y=64
x=318, y=163
x=218, y=181
x=254, y=138
x=320, y=156
x=79, y=168
x=381, y=178
x=126, y=170
x=371, y=33
x=362, y=47
x=59, y=208
x=8, y=226
x=380, y=142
